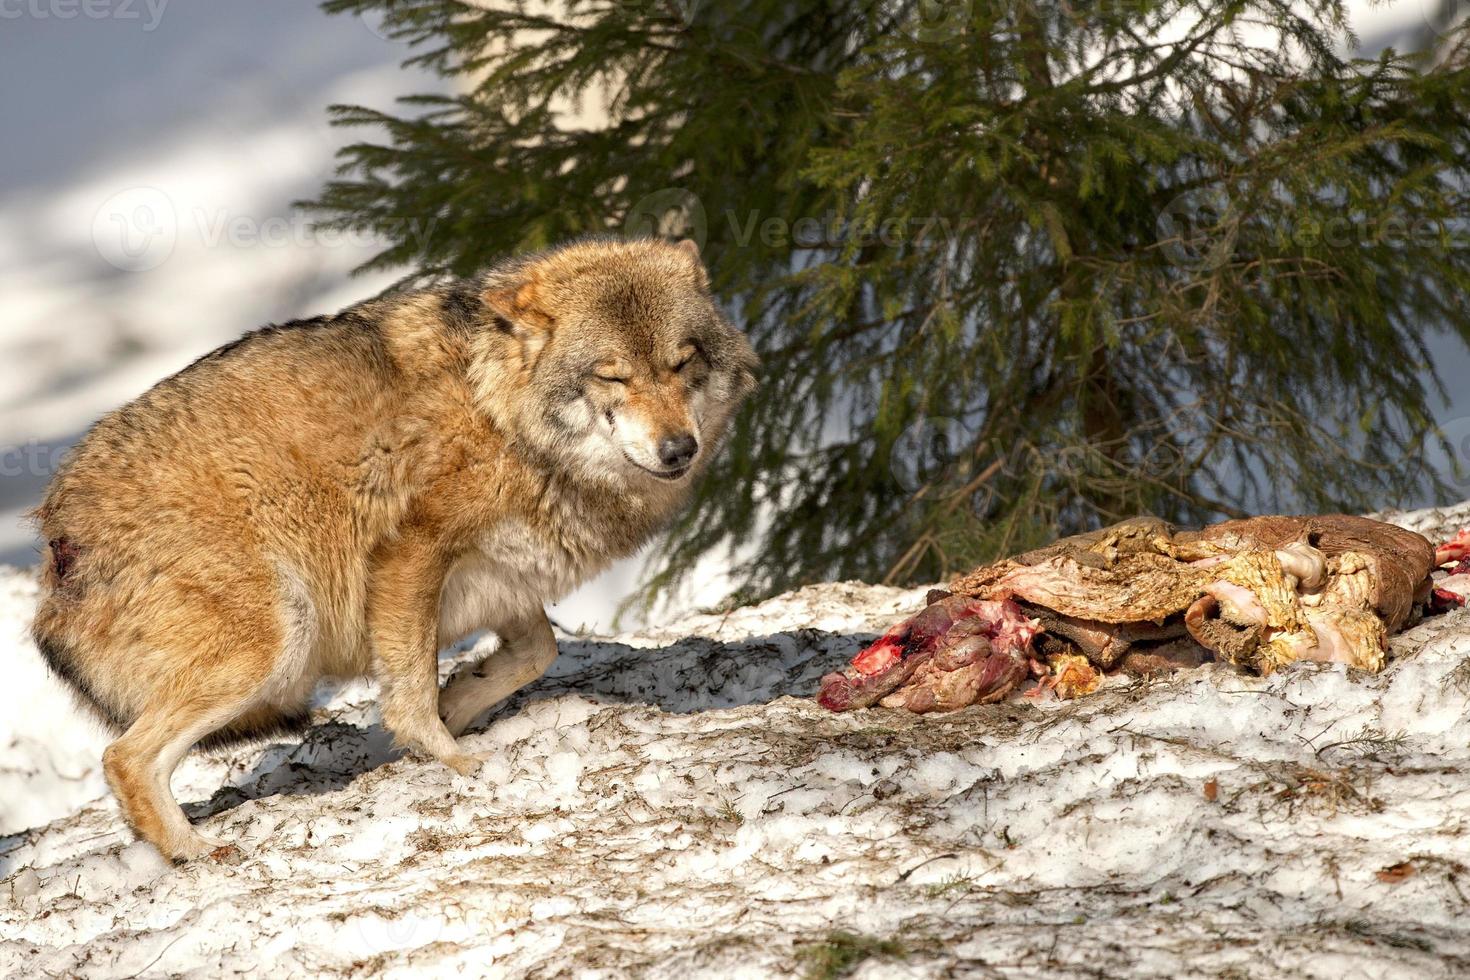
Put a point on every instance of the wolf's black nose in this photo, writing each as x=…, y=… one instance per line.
x=676, y=452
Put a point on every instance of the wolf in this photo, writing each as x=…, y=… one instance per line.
x=346, y=495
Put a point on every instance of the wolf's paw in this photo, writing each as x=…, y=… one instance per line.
x=193, y=846
x=458, y=717
x=465, y=763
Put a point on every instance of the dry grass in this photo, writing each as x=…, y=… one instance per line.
x=840, y=952
x=1287, y=787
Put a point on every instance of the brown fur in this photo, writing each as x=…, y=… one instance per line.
x=346, y=495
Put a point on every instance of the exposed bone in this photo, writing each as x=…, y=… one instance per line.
x=1238, y=604
x=1304, y=563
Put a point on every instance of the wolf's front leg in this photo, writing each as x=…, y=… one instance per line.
x=403, y=620
x=527, y=648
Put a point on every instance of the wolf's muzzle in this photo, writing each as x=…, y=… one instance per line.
x=677, y=452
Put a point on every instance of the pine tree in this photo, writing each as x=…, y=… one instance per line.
x=1015, y=267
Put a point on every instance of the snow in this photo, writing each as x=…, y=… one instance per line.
x=672, y=803
x=667, y=802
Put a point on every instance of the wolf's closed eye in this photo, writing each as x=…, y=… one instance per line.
x=688, y=356
x=614, y=372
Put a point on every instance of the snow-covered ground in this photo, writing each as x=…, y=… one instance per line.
x=672, y=803
x=666, y=802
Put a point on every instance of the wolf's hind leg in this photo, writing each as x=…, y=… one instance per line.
x=138, y=768
x=200, y=663
x=527, y=650
x=140, y=764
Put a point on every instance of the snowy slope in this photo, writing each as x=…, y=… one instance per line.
x=672, y=804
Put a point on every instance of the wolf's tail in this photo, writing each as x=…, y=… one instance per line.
x=58, y=658
x=48, y=629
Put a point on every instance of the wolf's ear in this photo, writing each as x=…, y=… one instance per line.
x=691, y=249
x=520, y=310
x=521, y=306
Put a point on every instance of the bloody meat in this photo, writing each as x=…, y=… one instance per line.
x=1141, y=596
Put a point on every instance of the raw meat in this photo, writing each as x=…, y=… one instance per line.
x=1141, y=596
x=957, y=651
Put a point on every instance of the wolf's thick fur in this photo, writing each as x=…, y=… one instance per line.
x=344, y=496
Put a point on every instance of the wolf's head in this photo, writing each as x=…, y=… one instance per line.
x=611, y=357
